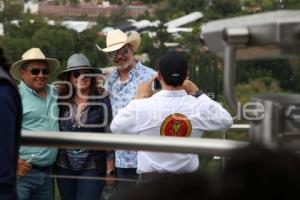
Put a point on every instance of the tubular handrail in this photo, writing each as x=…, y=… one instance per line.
x=240, y=127
x=132, y=142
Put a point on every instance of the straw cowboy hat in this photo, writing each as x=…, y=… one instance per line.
x=116, y=39
x=33, y=54
x=77, y=62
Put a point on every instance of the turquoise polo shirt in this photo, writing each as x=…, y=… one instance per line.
x=39, y=114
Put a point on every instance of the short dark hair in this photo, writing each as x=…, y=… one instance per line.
x=173, y=68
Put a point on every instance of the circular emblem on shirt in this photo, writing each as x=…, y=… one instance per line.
x=176, y=125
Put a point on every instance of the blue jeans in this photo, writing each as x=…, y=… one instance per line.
x=35, y=185
x=80, y=189
x=124, y=186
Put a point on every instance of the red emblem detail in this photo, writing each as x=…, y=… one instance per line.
x=176, y=125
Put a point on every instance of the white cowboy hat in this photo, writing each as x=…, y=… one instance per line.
x=116, y=39
x=33, y=54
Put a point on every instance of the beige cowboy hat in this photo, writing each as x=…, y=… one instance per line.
x=116, y=39
x=33, y=54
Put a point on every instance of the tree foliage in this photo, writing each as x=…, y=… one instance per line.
x=226, y=7
x=291, y=4
x=11, y=11
x=279, y=69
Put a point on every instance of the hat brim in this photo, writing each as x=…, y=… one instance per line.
x=134, y=39
x=15, y=68
x=62, y=75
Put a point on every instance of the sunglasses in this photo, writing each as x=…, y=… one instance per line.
x=76, y=74
x=37, y=71
x=123, y=51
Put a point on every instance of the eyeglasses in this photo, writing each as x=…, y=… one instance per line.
x=37, y=71
x=76, y=74
x=123, y=51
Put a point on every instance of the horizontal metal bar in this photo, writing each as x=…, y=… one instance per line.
x=130, y=142
x=240, y=127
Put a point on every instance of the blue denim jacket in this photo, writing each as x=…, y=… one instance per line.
x=96, y=117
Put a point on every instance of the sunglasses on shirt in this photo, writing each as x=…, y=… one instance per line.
x=37, y=71
x=76, y=74
x=123, y=51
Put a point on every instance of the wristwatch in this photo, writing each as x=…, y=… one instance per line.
x=110, y=173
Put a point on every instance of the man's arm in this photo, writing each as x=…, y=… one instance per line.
x=126, y=120
x=212, y=116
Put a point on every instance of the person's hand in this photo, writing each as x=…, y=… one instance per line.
x=23, y=167
x=144, y=90
x=100, y=82
x=100, y=90
x=60, y=87
x=110, y=172
x=190, y=87
x=110, y=179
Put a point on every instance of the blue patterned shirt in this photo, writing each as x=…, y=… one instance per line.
x=121, y=93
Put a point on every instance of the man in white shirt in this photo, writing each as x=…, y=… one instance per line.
x=170, y=112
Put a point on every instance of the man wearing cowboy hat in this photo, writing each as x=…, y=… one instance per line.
x=40, y=113
x=121, y=86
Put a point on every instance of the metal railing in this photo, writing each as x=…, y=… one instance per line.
x=134, y=142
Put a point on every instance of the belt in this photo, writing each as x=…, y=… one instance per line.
x=41, y=169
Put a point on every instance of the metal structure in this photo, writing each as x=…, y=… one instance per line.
x=134, y=142
x=191, y=17
x=266, y=35
x=280, y=123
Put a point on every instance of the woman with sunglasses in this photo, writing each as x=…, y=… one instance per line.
x=82, y=109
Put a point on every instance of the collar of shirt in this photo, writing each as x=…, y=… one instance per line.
x=79, y=117
x=24, y=87
x=115, y=73
x=169, y=93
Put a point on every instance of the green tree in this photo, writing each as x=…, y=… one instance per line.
x=291, y=4
x=295, y=65
x=86, y=44
x=157, y=47
x=245, y=91
x=150, y=1
x=263, y=4
x=280, y=69
x=74, y=2
x=226, y=7
x=186, y=6
x=12, y=10
x=26, y=28
x=14, y=47
x=55, y=42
